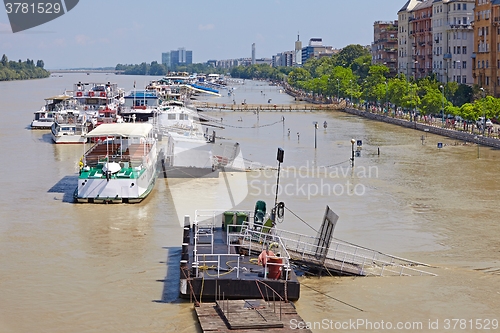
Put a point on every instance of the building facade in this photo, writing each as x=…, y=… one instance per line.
x=420, y=24
x=298, y=52
x=453, y=38
x=181, y=57
x=315, y=49
x=487, y=46
x=406, y=60
x=384, y=48
x=284, y=59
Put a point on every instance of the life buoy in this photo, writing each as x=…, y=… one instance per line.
x=102, y=94
x=91, y=93
x=79, y=94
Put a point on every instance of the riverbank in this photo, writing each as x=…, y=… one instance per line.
x=451, y=133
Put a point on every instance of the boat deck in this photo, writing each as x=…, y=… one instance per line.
x=215, y=269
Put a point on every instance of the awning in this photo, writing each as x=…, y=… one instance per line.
x=121, y=130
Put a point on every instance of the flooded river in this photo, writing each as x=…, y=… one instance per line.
x=113, y=268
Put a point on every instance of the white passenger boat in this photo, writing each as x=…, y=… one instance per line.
x=121, y=167
x=71, y=126
x=188, y=150
x=45, y=117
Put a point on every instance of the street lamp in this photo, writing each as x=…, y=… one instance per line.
x=484, y=110
x=315, y=123
x=352, y=156
x=338, y=89
x=442, y=105
x=386, y=90
x=350, y=81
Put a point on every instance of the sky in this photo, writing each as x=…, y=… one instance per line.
x=102, y=33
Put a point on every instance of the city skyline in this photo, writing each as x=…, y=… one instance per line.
x=100, y=34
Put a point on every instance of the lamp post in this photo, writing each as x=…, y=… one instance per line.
x=338, y=89
x=350, y=81
x=352, y=151
x=442, y=105
x=315, y=123
x=484, y=110
x=386, y=91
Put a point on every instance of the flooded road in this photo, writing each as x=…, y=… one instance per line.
x=113, y=268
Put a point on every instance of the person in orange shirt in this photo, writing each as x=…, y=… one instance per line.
x=262, y=260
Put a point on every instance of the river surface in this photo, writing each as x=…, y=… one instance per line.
x=68, y=267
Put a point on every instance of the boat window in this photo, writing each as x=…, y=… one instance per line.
x=171, y=116
x=183, y=116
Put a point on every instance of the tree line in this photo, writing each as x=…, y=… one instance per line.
x=350, y=74
x=21, y=70
x=154, y=68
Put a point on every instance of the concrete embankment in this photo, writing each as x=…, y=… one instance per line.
x=458, y=135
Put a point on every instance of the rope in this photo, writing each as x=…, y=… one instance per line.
x=265, y=125
x=336, y=299
x=300, y=219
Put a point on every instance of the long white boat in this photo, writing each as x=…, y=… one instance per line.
x=71, y=126
x=188, y=150
x=45, y=117
x=121, y=167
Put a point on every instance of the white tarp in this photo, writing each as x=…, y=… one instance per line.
x=121, y=129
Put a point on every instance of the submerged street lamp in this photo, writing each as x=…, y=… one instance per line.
x=315, y=123
x=352, y=152
x=442, y=105
x=484, y=110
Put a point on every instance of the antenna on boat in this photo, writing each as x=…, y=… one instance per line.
x=279, y=157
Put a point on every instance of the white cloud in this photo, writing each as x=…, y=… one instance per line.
x=83, y=39
x=209, y=26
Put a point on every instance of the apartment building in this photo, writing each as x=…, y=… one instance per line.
x=406, y=62
x=487, y=46
x=453, y=38
x=384, y=48
x=420, y=35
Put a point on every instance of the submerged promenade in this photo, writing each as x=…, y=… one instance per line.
x=400, y=120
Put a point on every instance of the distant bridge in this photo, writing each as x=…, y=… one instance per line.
x=54, y=71
x=267, y=107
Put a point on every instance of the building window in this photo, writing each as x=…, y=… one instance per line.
x=464, y=64
x=464, y=6
x=464, y=49
x=487, y=80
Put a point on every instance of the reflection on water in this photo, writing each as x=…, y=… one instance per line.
x=68, y=267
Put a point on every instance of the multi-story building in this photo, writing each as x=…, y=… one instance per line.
x=315, y=49
x=406, y=61
x=487, y=46
x=285, y=59
x=253, y=54
x=181, y=57
x=453, y=40
x=420, y=23
x=384, y=48
x=298, y=52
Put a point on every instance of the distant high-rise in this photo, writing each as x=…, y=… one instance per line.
x=298, y=51
x=253, y=54
x=181, y=57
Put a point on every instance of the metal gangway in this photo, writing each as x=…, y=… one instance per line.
x=332, y=255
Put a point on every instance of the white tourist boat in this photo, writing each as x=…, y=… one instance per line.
x=121, y=167
x=71, y=126
x=94, y=96
x=188, y=150
x=140, y=105
x=45, y=117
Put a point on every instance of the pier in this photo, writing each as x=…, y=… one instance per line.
x=205, y=106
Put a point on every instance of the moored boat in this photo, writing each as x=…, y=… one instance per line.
x=71, y=126
x=45, y=117
x=122, y=168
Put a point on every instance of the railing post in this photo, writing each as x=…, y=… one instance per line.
x=238, y=268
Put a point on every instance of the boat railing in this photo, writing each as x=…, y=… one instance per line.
x=212, y=261
x=368, y=261
x=249, y=239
